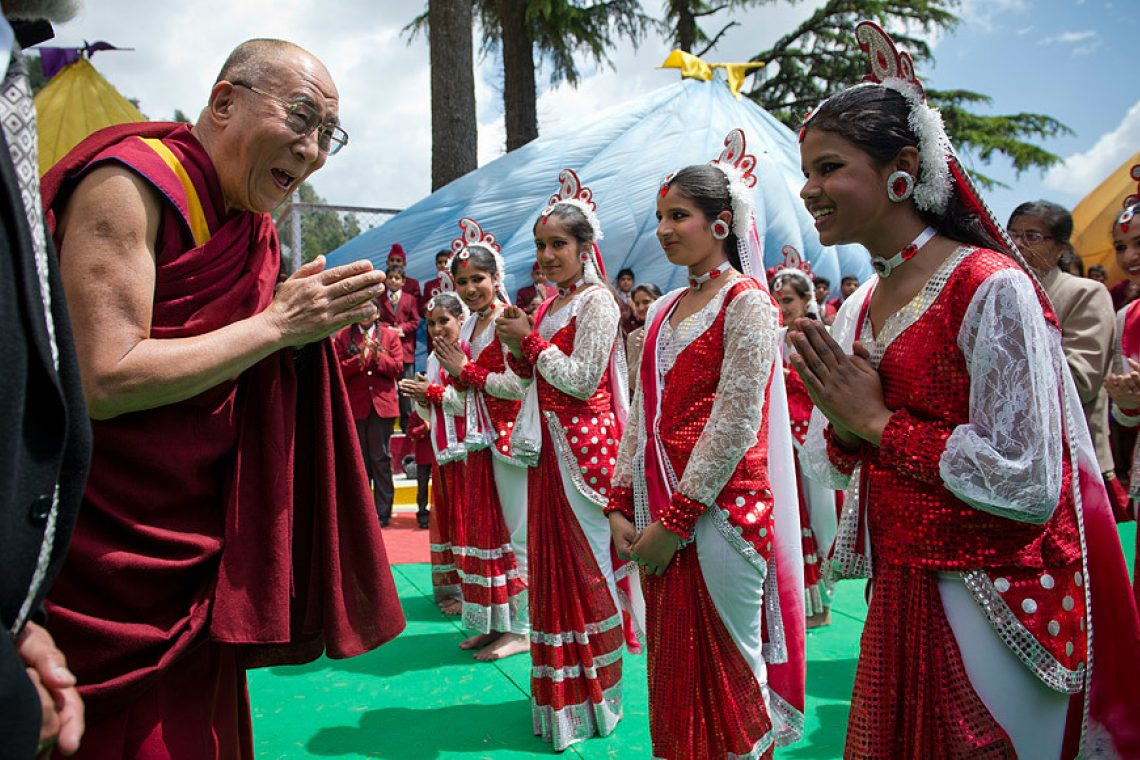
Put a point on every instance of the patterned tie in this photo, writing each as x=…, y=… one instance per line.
x=18, y=120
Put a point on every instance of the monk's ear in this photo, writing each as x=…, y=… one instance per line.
x=223, y=101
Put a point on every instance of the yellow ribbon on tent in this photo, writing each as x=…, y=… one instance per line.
x=693, y=67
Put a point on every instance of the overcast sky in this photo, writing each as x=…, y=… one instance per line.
x=1072, y=59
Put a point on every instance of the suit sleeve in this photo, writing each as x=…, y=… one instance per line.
x=349, y=362
x=409, y=318
x=390, y=361
x=1086, y=337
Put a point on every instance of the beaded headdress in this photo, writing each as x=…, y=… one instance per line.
x=571, y=192
x=473, y=236
x=1131, y=203
x=942, y=174
x=796, y=267
x=446, y=292
x=894, y=70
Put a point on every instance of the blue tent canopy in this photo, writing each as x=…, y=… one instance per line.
x=622, y=154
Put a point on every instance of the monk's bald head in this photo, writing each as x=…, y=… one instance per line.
x=253, y=60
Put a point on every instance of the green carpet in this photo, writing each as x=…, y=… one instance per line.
x=421, y=698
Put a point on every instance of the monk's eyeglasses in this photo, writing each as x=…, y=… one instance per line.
x=304, y=119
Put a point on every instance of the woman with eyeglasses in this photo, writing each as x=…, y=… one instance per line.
x=1041, y=230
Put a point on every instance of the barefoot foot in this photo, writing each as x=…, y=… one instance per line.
x=451, y=606
x=505, y=646
x=479, y=640
x=819, y=619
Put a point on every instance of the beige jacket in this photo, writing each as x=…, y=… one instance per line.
x=1088, y=324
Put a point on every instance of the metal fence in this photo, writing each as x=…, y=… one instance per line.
x=308, y=230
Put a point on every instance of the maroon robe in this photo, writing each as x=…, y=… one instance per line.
x=196, y=528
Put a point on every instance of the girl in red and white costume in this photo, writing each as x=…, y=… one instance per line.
x=489, y=542
x=570, y=425
x=1124, y=385
x=438, y=403
x=795, y=294
x=704, y=492
x=943, y=397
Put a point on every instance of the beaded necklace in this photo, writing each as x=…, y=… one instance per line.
x=884, y=267
x=696, y=281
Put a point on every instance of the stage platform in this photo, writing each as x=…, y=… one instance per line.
x=421, y=698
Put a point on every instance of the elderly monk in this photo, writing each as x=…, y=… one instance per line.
x=227, y=521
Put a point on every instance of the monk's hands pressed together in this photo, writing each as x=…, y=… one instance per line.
x=623, y=534
x=1124, y=388
x=415, y=389
x=512, y=326
x=62, y=708
x=316, y=301
x=845, y=387
x=451, y=357
x=654, y=548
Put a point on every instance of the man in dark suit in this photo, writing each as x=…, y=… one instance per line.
x=45, y=441
x=400, y=310
x=371, y=359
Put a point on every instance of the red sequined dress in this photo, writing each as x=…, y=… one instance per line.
x=697, y=458
x=816, y=501
x=1128, y=346
x=445, y=413
x=968, y=517
x=568, y=422
x=489, y=557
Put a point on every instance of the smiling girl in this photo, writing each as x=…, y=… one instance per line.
x=570, y=425
x=490, y=540
x=441, y=406
x=944, y=400
x=1123, y=386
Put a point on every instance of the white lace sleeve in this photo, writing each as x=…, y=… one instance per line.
x=750, y=334
x=454, y=402
x=579, y=374
x=1007, y=459
x=506, y=384
x=813, y=454
x=623, y=467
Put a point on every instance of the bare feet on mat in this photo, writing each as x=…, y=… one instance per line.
x=479, y=640
x=819, y=619
x=451, y=606
x=505, y=646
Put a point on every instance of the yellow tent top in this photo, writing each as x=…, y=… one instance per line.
x=1094, y=215
x=76, y=102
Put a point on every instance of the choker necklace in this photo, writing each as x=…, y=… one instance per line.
x=884, y=267
x=695, y=282
x=567, y=291
x=484, y=313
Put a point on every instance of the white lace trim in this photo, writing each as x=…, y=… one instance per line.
x=1007, y=459
x=575, y=723
x=579, y=374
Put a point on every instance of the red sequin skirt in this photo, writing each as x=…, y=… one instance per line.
x=576, y=629
x=704, y=699
x=494, y=595
x=913, y=697
x=446, y=506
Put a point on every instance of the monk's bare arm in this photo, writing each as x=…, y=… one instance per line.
x=107, y=258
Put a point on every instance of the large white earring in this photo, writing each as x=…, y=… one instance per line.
x=900, y=186
x=720, y=229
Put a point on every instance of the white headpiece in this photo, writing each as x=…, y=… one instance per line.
x=737, y=166
x=571, y=192
x=894, y=70
x=795, y=267
x=472, y=236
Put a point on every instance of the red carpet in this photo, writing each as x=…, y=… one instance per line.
x=405, y=541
